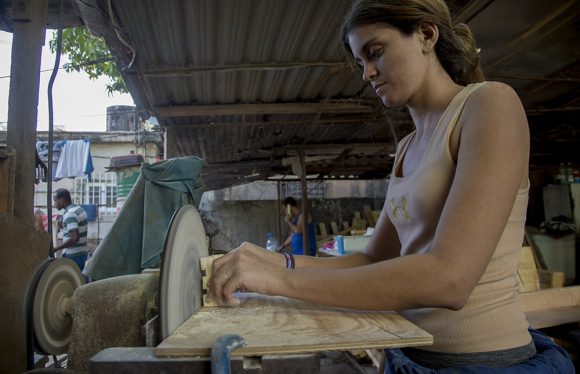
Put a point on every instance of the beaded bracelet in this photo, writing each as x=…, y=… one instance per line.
x=289, y=261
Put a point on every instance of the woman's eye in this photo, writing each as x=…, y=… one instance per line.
x=375, y=52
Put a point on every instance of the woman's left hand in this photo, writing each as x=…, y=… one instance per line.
x=247, y=268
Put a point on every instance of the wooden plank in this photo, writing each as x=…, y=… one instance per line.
x=369, y=215
x=551, y=279
x=357, y=223
x=550, y=298
x=206, y=265
x=377, y=356
x=539, y=319
x=277, y=325
x=540, y=262
x=552, y=307
x=334, y=228
x=376, y=215
x=527, y=271
x=323, y=233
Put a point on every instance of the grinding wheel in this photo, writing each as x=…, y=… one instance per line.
x=51, y=309
x=180, y=290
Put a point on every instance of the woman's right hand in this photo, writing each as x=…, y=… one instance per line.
x=249, y=268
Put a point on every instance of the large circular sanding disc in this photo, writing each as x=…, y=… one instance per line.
x=180, y=290
x=52, y=310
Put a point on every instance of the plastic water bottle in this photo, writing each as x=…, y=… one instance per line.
x=271, y=243
x=340, y=244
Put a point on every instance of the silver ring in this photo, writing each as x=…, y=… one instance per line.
x=226, y=275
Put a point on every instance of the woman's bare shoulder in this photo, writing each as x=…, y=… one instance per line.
x=494, y=93
x=495, y=106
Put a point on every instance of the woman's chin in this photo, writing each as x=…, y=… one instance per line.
x=389, y=103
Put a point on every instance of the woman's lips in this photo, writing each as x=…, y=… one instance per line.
x=378, y=87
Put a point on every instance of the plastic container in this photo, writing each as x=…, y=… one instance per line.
x=272, y=243
x=340, y=244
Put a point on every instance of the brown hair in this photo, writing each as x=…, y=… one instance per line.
x=455, y=47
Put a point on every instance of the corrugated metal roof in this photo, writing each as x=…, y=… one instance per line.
x=206, y=35
x=234, y=81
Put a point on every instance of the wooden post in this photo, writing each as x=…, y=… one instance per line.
x=29, y=18
x=169, y=144
x=7, y=185
x=305, y=210
x=279, y=213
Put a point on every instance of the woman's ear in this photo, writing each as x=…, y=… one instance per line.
x=429, y=34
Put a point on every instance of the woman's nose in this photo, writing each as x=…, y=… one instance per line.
x=369, y=72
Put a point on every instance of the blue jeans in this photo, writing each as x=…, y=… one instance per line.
x=551, y=358
x=79, y=258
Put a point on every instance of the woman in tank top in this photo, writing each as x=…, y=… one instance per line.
x=446, y=246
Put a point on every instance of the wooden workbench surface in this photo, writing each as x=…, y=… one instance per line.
x=277, y=325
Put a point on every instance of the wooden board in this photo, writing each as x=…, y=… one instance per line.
x=551, y=298
x=277, y=325
x=527, y=271
x=206, y=265
x=323, y=233
x=540, y=319
x=552, y=307
x=369, y=216
x=334, y=228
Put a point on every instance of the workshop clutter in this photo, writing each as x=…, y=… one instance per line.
x=354, y=235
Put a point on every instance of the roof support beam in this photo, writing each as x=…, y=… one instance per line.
x=360, y=120
x=471, y=10
x=257, y=109
x=337, y=149
x=540, y=30
x=192, y=70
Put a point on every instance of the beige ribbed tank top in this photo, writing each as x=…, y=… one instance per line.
x=493, y=318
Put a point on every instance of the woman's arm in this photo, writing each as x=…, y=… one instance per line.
x=491, y=167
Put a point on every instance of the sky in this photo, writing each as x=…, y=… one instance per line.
x=80, y=104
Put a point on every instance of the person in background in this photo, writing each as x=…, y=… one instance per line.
x=295, y=219
x=74, y=225
x=447, y=244
x=40, y=220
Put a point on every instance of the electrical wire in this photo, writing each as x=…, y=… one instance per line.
x=51, y=126
x=70, y=66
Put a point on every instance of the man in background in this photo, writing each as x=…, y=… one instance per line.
x=295, y=220
x=74, y=225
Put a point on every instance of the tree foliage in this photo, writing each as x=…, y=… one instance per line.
x=90, y=54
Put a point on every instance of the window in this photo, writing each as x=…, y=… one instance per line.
x=111, y=196
x=100, y=191
x=95, y=195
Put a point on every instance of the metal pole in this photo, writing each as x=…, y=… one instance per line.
x=51, y=124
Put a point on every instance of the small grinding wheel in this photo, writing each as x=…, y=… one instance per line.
x=180, y=290
x=51, y=315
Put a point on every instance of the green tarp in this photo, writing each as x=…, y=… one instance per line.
x=137, y=236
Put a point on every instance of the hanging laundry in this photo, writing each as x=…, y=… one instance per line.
x=75, y=160
x=42, y=149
